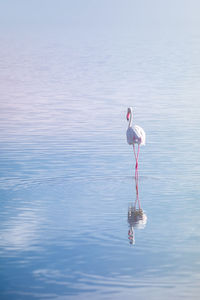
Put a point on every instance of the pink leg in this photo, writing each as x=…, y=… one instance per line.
x=136, y=158
x=136, y=175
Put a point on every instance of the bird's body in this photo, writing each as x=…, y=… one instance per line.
x=134, y=135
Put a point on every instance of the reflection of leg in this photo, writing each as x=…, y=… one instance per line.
x=131, y=236
x=137, y=190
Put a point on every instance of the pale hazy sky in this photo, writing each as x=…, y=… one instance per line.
x=97, y=13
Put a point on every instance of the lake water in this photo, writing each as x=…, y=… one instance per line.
x=67, y=173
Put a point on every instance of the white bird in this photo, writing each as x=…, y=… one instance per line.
x=135, y=135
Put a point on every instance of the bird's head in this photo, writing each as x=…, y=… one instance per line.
x=129, y=112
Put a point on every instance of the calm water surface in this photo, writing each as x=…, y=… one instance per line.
x=67, y=173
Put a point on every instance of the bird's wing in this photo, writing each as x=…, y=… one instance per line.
x=140, y=134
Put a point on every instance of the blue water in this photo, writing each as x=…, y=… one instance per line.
x=67, y=174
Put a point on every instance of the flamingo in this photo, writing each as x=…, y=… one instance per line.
x=135, y=135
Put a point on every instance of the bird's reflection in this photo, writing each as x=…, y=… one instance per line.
x=137, y=219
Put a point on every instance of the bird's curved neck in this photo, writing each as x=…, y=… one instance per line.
x=130, y=120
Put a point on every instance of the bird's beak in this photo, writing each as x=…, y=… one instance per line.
x=128, y=115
